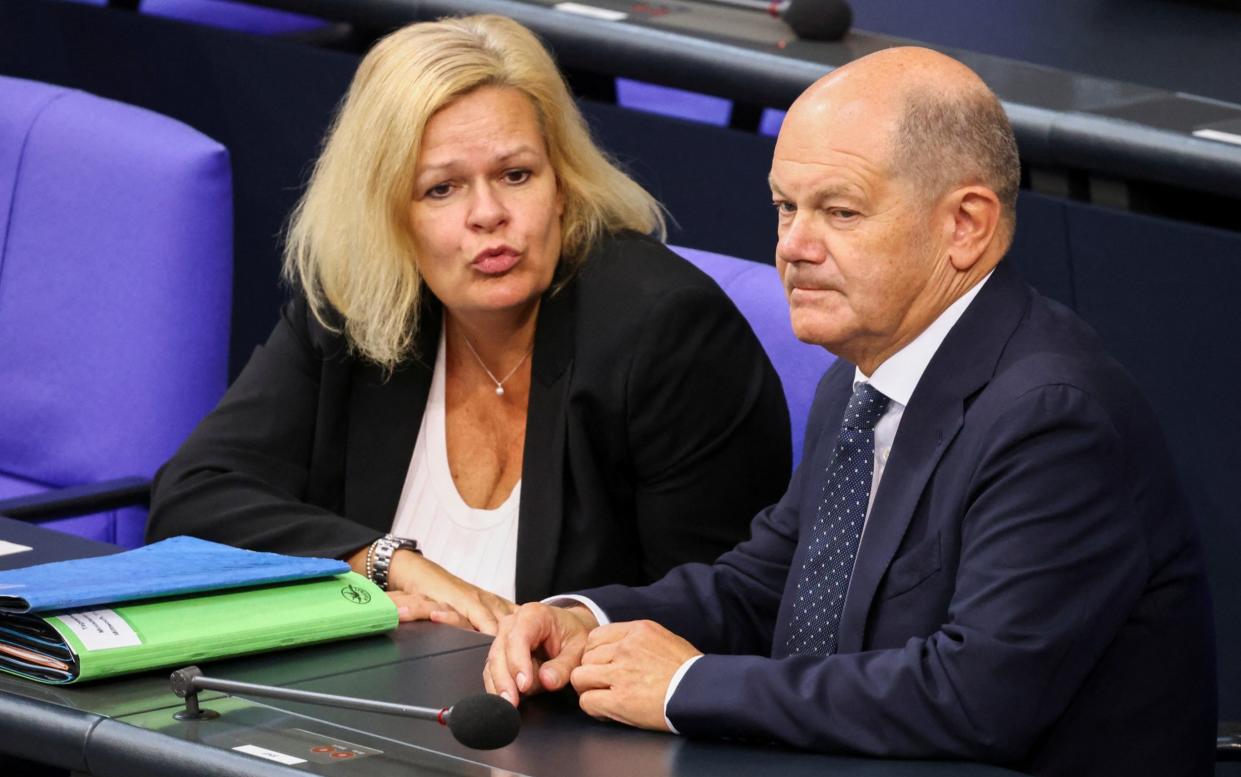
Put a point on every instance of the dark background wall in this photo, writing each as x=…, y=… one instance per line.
x=1162, y=293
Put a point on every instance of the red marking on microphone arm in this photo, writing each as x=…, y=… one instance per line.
x=773, y=8
x=440, y=717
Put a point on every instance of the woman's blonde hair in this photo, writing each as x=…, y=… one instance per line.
x=349, y=246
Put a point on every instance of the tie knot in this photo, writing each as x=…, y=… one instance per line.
x=865, y=407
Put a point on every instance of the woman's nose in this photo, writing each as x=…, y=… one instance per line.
x=487, y=209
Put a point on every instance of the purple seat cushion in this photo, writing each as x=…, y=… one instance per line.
x=756, y=290
x=115, y=283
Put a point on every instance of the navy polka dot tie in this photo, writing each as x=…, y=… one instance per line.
x=837, y=528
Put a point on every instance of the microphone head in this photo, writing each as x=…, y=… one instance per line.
x=484, y=721
x=818, y=19
x=182, y=680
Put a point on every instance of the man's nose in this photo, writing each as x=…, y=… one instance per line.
x=801, y=242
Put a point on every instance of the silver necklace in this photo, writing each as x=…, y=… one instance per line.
x=498, y=381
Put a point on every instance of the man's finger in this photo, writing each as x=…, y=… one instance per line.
x=600, y=654
x=589, y=678
x=606, y=635
x=529, y=632
x=555, y=672
x=597, y=703
x=496, y=677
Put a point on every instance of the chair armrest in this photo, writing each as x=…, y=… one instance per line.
x=79, y=500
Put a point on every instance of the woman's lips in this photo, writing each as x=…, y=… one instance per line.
x=496, y=260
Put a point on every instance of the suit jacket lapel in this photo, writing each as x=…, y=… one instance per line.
x=964, y=363
x=541, y=511
x=385, y=415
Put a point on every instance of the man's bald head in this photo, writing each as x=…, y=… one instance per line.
x=894, y=180
x=945, y=128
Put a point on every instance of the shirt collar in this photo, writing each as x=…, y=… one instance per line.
x=899, y=374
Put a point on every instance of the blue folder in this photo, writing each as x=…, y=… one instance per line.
x=179, y=565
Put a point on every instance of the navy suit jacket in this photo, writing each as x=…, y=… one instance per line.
x=1028, y=590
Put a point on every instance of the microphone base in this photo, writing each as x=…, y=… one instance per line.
x=192, y=711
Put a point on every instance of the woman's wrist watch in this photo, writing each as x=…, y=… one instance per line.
x=379, y=557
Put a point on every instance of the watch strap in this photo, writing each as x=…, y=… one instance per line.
x=379, y=557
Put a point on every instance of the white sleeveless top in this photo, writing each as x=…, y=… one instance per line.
x=479, y=546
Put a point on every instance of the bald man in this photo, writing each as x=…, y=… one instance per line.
x=983, y=554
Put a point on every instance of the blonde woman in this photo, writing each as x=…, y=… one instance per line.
x=493, y=382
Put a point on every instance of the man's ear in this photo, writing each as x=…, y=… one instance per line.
x=975, y=221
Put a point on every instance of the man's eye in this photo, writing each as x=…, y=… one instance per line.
x=784, y=208
x=845, y=213
x=517, y=176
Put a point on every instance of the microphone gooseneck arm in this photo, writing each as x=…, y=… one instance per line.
x=482, y=721
x=203, y=683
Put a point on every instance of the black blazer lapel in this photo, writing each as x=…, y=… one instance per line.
x=541, y=510
x=385, y=415
x=964, y=363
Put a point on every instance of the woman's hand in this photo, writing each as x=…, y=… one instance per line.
x=429, y=592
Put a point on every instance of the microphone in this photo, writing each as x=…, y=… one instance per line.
x=809, y=19
x=482, y=721
x=818, y=19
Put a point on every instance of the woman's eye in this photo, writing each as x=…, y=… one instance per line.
x=439, y=191
x=516, y=176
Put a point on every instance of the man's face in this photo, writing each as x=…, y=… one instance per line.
x=857, y=248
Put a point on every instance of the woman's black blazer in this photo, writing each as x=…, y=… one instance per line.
x=656, y=429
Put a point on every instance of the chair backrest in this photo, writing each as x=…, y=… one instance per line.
x=756, y=290
x=230, y=15
x=115, y=287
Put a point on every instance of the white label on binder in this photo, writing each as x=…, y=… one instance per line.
x=270, y=755
x=99, y=629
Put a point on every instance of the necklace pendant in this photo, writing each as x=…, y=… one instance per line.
x=499, y=391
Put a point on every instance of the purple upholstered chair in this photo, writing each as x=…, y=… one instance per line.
x=756, y=290
x=692, y=106
x=234, y=16
x=667, y=101
x=230, y=15
x=115, y=283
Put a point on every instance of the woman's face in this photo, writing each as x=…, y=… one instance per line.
x=486, y=205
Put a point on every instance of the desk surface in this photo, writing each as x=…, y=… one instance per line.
x=126, y=727
x=41, y=551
